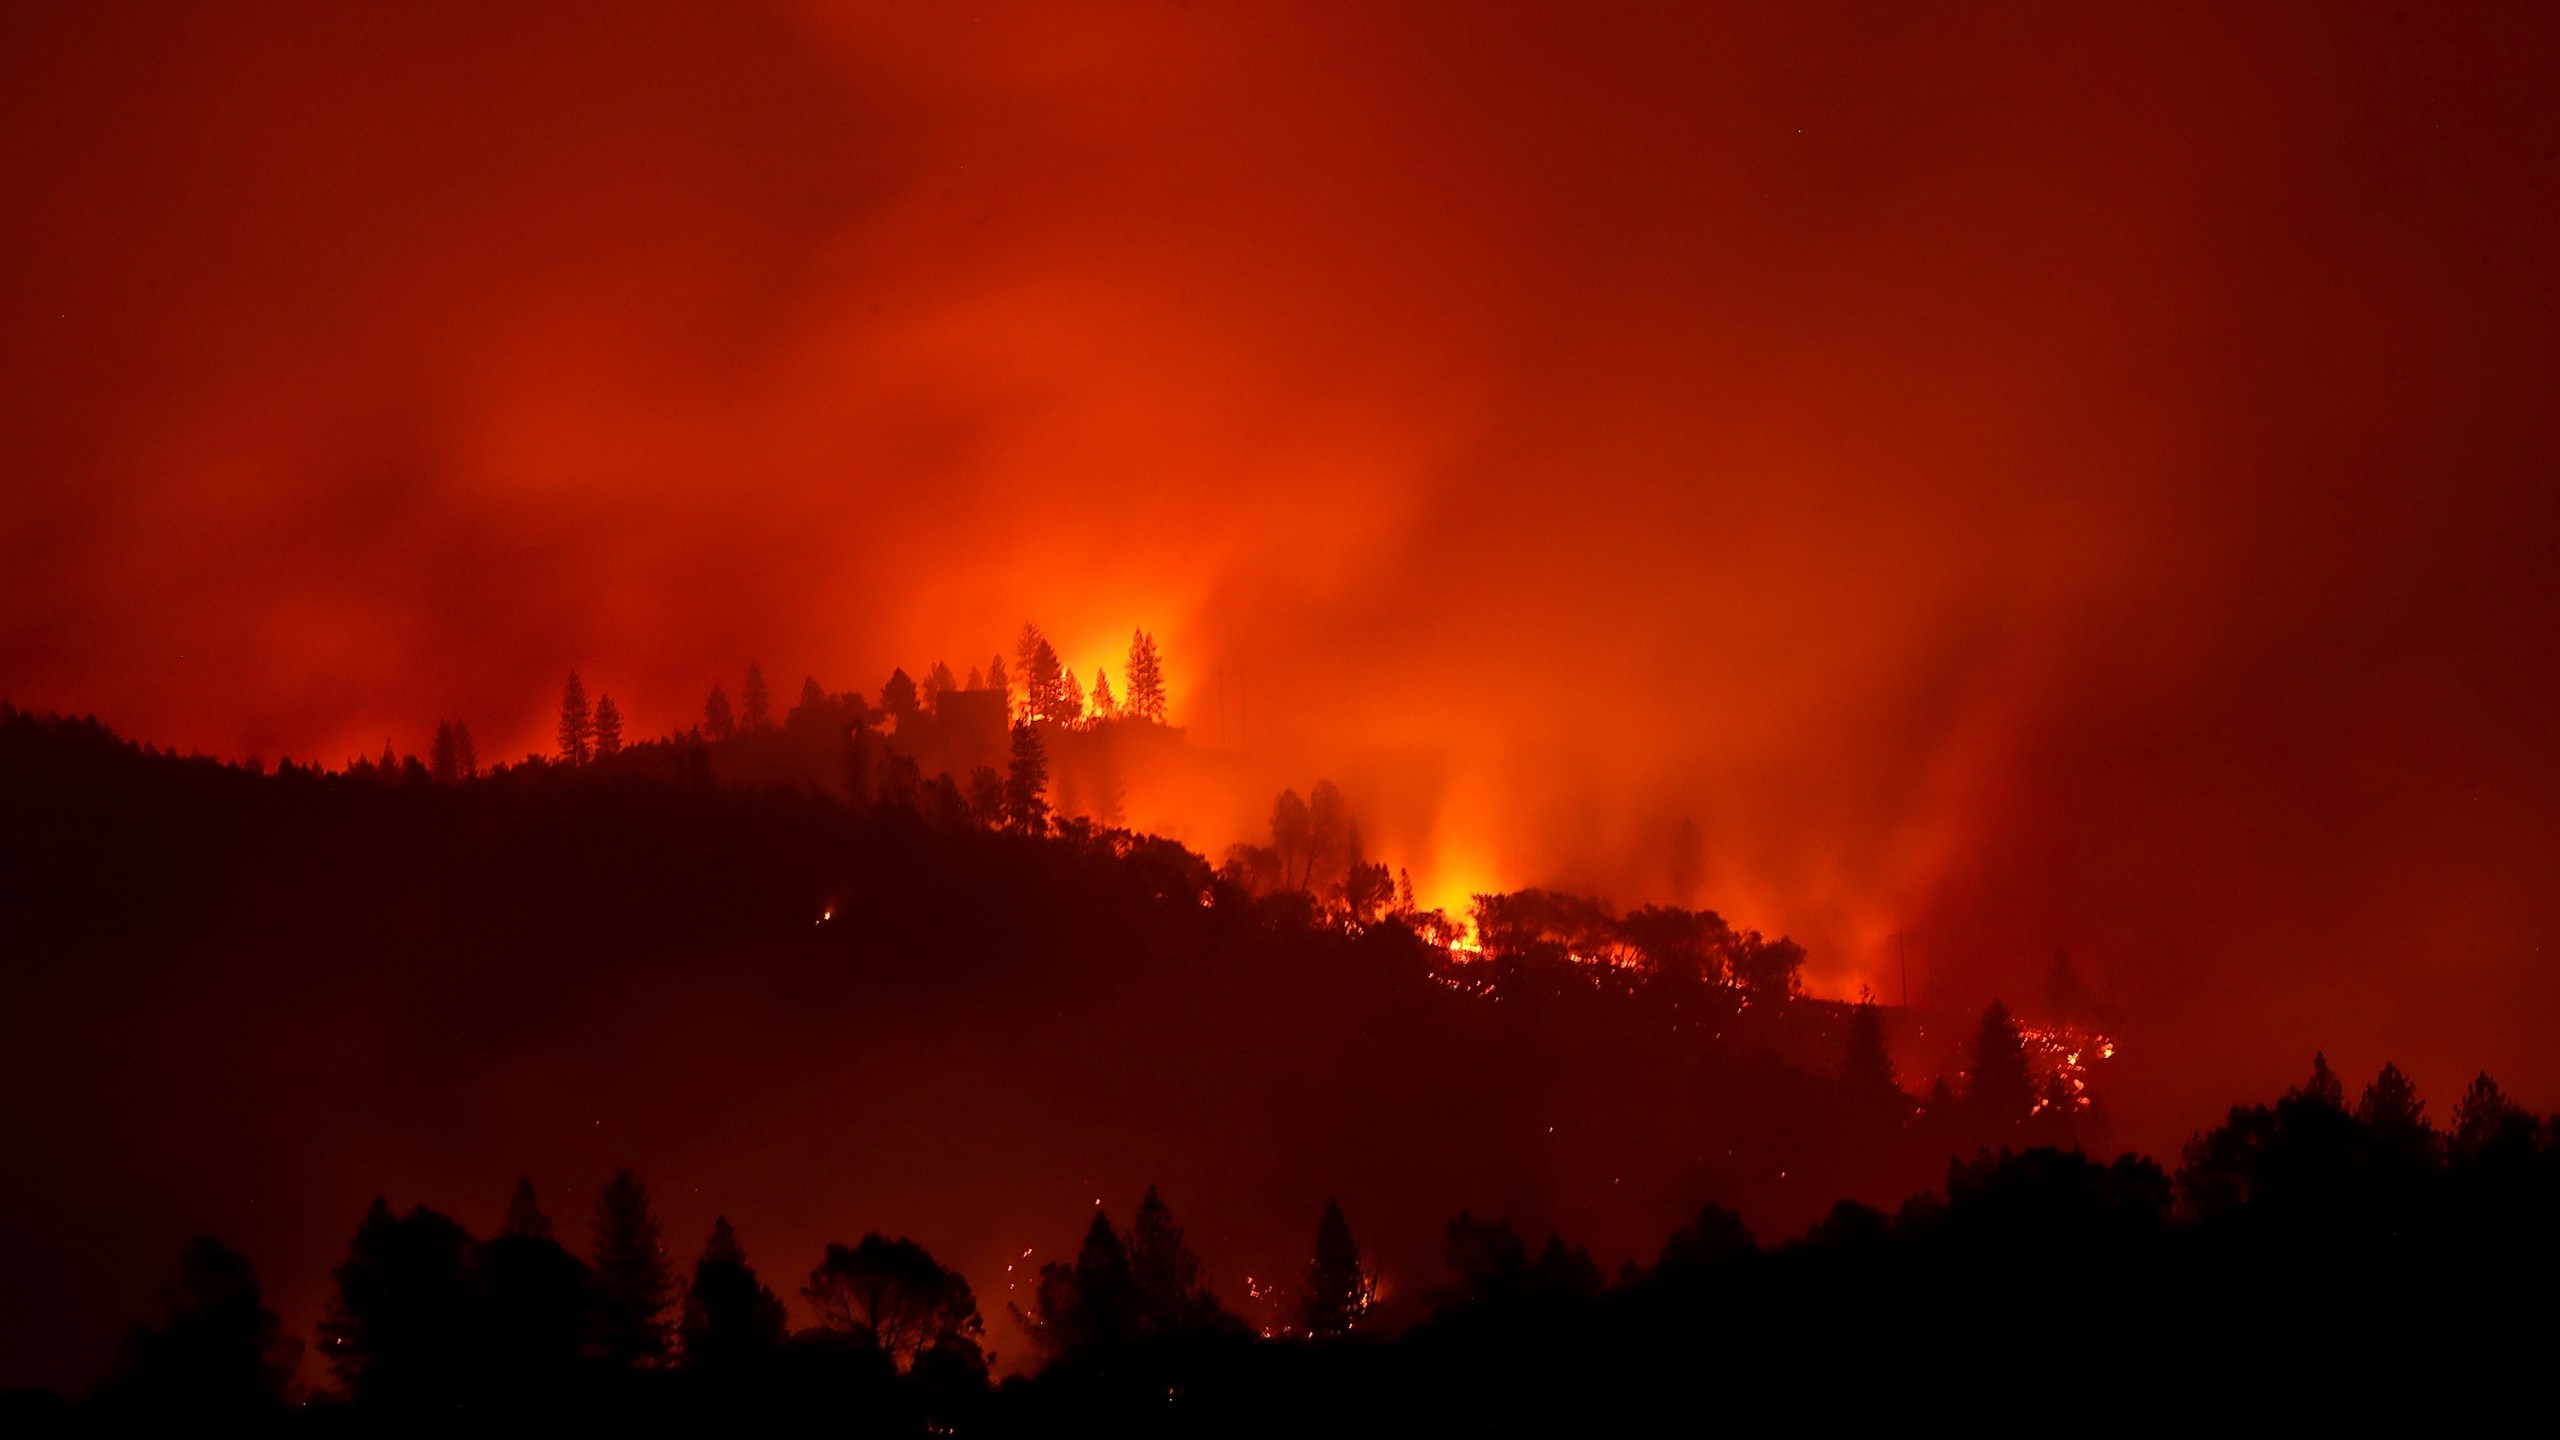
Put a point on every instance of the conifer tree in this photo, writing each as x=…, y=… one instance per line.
x=999, y=682
x=1026, y=784
x=1105, y=705
x=444, y=758
x=2323, y=1089
x=1999, y=1086
x=1164, y=1275
x=1866, y=1065
x=1070, y=699
x=1145, y=676
x=718, y=721
x=977, y=681
x=466, y=757
x=898, y=696
x=577, y=725
x=1338, y=1286
x=1043, y=695
x=755, y=709
x=938, y=683
x=608, y=727
x=634, y=1279
x=730, y=1316
x=525, y=1220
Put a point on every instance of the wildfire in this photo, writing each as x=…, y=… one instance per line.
x=2062, y=1054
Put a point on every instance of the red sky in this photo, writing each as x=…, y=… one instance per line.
x=2036, y=476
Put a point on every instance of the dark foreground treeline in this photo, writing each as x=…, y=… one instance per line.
x=2306, y=1257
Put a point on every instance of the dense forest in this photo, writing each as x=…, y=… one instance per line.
x=846, y=1012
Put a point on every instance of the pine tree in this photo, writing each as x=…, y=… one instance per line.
x=1164, y=1274
x=608, y=727
x=525, y=1220
x=2390, y=1105
x=718, y=722
x=1338, y=1286
x=1070, y=699
x=1999, y=1086
x=1866, y=1066
x=898, y=697
x=1092, y=1304
x=756, y=709
x=999, y=682
x=444, y=758
x=1104, y=704
x=1043, y=694
x=1145, y=674
x=986, y=796
x=390, y=763
x=1026, y=783
x=2486, y=1116
x=577, y=726
x=938, y=683
x=634, y=1279
x=465, y=756
x=730, y=1316
x=2323, y=1089
x=977, y=681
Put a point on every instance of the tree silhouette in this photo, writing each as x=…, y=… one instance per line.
x=986, y=796
x=608, y=726
x=730, y=1317
x=1766, y=970
x=1338, y=1287
x=1026, y=783
x=524, y=1219
x=755, y=706
x=577, y=730
x=2485, y=1118
x=2390, y=1107
x=999, y=682
x=1043, y=681
x=1070, y=698
x=216, y=1352
x=444, y=757
x=2323, y=1089
x=536, y=1300
x=1866, y=1066
x=398, y=1328
x=938, y=682
x=1368, y=889
x=1171, y=1294
x=1104, y=705
x=1145, y=676
x=1999, y=1086
x=1292, y=837
x=635, y=1282
x=1092, y=1304
x=465, y=755
x=896, y=1294
x=898, y=697
x=717, y=721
